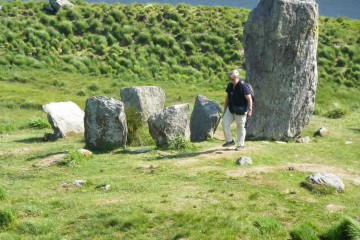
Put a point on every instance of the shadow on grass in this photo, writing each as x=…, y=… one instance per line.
x=192, y=154
x=42, y=156
x=30, y=140
x=356, y=130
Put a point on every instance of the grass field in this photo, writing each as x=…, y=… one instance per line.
x=195, y=193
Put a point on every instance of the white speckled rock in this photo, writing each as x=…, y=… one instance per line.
x=169, y=123
x=65, y=117
x=145, y=100
x=105, y=123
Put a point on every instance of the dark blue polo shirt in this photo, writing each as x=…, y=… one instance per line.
x=237, y=95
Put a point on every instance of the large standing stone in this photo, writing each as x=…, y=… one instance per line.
x=205, y=119
x=169, y=123
x=327, y=179
x=65, y=117
x=145, y=100
x=58, y=4
x=280, y=43
x=105, y=123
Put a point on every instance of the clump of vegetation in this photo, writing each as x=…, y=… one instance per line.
x=7, y=219
x=320, y=189
x=267, y=225
x=304, y=231
x=72, y=158
x=38, y=123
x=2, y=194
x=347, y=229
x=134, y=124
x=179, y=143
x=336, y=113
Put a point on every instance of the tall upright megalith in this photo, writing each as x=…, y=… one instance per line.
x=280, y=42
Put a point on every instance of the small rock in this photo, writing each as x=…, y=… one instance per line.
x=244, y=161
x=85, y=152
x=280, y=142
x=0, y=8
x=106, y=187
x=291, y=168
x=348, y=143
x=334, y=208
x=79, y=183
x=303, y=140
x=321, y=132
x=58, y=4
x=328, y=179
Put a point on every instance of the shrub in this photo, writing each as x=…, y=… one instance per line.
x=336, y=113
x=38, y=123
x=143, y=38
x=347, y=229
x=304, y=231
x=7, y=219
x=7, y=127
x=65, y=27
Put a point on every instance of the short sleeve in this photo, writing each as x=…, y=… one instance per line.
x=246, y=90
x=227, y=88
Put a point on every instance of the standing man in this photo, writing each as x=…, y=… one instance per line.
x=238, y=106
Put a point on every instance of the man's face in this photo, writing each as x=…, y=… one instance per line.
x=232, y=79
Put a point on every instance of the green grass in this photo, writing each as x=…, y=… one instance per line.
x=193, y=193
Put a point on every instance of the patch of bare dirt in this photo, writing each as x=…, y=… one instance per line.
x=103, y=202
x=52, y=160
x=311, y=168
x=15, y=151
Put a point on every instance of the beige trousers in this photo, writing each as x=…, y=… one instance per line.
x=240, y=120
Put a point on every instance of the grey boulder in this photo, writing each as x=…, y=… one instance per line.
x=205, y=119
x=327, y=179
x=59, y=4
x=280, y=43
x=105, y=123
x=65, y=118
x=145, y=100
x=244, y=161
x=169, y=123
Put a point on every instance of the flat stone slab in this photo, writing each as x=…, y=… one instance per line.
x=65, y=118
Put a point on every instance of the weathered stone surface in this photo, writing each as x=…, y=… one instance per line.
x=86, y=153
x=321, y=132
x=327, y=179
x=65, y=117
x=145, y=100
x=303, y=139
x=105, y=123
x=205, y=119
x=244, y=161
x=280, y=43
x=58, y=4
x=169, y=123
